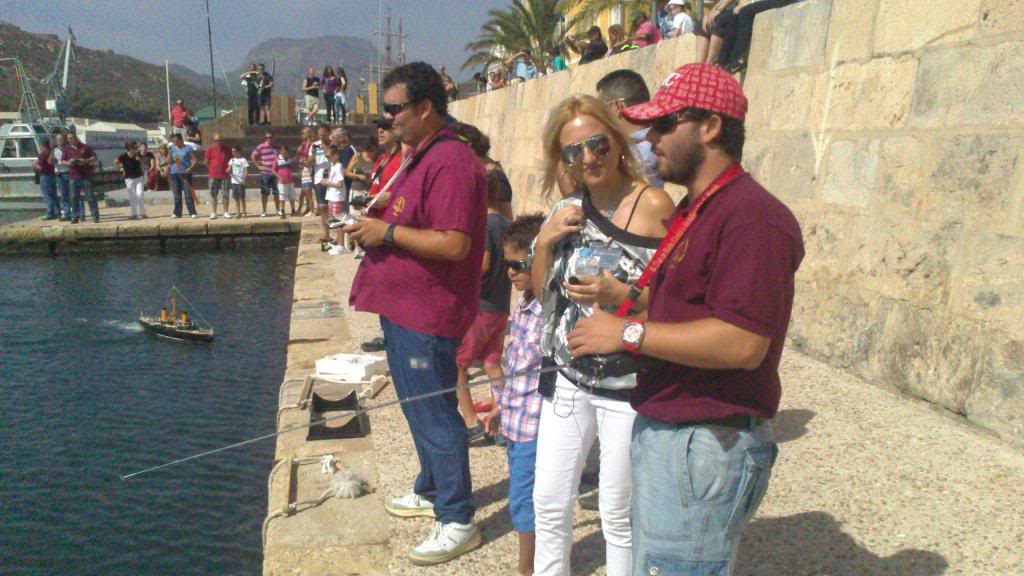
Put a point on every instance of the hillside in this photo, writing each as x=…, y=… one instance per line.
x=295, y=56
x=102, y=84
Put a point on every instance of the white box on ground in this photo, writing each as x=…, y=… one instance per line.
x=351, y=367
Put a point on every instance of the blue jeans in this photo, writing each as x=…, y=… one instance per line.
x=48, y=188
x=178, y=187
x=63, y=181
x=522, y=471
x=694, y=490
x=422, y=363
x=81, y=192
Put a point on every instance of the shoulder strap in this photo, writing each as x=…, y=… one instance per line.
x=635, y=204
x=614, y=232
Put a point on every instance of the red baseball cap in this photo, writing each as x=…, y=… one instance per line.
x=703, y=86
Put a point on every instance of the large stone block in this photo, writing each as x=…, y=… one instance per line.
x=903, y=26
x=997, y=401
x=851, y=172
x=800, y=35
x=851, y=30
x=785, y=165
x=834, y=322
x=990, y=281
x=782, y=102
x=1002, y=16
x=876, y=94
x=970, y=86
x=929, y=354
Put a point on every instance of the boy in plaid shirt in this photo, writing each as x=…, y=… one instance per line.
x=517, y=398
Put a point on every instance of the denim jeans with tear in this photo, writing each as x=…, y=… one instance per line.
x=695, y=487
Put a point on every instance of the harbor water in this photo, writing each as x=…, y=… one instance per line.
x=86, y=396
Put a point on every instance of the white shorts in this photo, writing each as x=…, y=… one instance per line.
x=311, y=101
x=286, y=191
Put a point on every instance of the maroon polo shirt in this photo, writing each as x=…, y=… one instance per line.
x=736, y=263
x=82, y=152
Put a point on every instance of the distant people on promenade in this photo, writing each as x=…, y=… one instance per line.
x=264, y=158
x=182, y=161
x=163, y=159
x=360, y=169
x=45, y=170
x=334, y=182
x=311, y=95
x=644, y=32
x=736, y=47
x=341, y=97
x=680, y=22
x=421, y=274
x=193, y=137
x=81, y=158
x=387, y=163
x=239, y=167
x=250, y=80
x=319, y=164
x=556, y=61
x=131, y=164
x=618, y=40
x=716, y=25
x=306, y=202
x=593, y=48
x=264, y=89
x=217, y=158
x=521, y=67
x=62, y=177
x=180, y=116
x=330, y=85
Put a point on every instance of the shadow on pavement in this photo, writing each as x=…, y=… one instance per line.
x=791, y=424
x=813, y=543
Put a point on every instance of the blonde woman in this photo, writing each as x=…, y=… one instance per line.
x=594, y=244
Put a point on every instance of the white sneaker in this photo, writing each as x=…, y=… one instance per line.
x=337, y=251
x=263, y=215
x=193, y=216
x=409, y=505
x=228, y=215
x=213, y=215
x=447, y=541
x=175, y=216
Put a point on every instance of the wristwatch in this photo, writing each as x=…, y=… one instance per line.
x=389, y=236
x=633, y=336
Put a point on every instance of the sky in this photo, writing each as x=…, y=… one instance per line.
x=155, y=30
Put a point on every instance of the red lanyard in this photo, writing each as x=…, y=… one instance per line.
x=675, y=235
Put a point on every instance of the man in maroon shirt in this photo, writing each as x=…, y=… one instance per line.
x=217, y=158
x=82, y=159
x=421, y=274
x=717, y=313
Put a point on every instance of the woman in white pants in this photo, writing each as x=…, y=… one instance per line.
x=593, y=245
x=131, y=164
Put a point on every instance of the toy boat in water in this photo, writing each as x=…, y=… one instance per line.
x=171, y=325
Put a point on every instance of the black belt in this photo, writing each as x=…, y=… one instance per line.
x=738, y=421
x=620, y=395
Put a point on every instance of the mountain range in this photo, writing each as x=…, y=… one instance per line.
x=110, y=86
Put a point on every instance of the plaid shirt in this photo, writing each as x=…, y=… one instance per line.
x=519, y=399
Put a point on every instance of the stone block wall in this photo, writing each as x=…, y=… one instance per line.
x=894, y=129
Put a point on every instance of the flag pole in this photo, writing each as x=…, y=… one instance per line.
x=167, y=79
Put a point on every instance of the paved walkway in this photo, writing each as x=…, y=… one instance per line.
x=868, y=482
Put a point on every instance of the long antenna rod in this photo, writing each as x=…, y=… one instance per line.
x=355, y=412
x=167, y=79
x=213, y=77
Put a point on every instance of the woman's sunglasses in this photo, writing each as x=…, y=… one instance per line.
x=599, y=145
x=516, y=265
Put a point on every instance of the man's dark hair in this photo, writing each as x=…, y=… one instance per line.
x=733, y=134
x=523, y=230
x=422, y=82
x=177, y=136
x=477, y=141
x=594, y=30
x=626, y=85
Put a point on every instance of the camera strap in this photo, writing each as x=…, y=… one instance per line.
x=680, y=226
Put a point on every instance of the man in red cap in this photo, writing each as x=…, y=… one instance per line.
x=718, y=307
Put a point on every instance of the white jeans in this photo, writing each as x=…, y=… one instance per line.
x=136, y=188
x=569, y=422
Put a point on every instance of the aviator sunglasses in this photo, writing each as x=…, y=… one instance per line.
x=599, y=145
x=516, y=265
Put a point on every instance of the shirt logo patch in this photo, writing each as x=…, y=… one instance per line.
x=398, y=207
x=679, y=253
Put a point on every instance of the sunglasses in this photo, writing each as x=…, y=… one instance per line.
x=667, y=123
x=396, y=109
x=599, y=145
x=517, y=265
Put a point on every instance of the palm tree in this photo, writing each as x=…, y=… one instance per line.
x=535, y=26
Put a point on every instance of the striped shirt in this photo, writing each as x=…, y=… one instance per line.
x=267, y=154
x=519, y=399
x=178, y=116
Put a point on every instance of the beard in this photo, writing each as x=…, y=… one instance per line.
x=682, y=163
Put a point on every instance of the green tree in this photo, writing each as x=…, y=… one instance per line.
x=535, y=26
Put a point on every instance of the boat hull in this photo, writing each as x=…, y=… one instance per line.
x=155, y=326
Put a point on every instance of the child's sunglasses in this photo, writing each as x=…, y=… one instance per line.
x=516, y=265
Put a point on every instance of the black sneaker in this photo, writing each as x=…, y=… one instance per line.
x=375, y=345
x=476, y=432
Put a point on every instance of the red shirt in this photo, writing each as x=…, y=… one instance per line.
x=178, y=116
x=444, y=188
x=82, y=152
x=217, y=158
x=385, y=168
x=43, y=160
x=736, y=263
